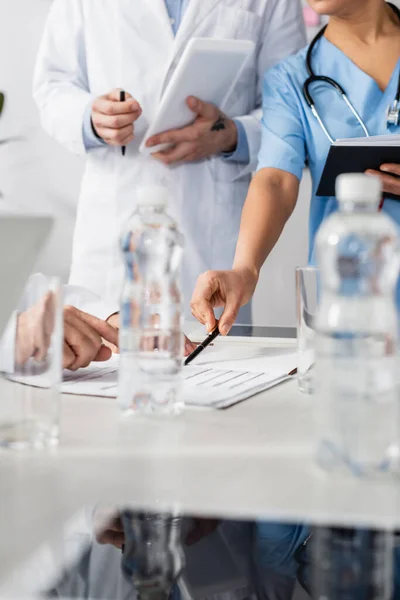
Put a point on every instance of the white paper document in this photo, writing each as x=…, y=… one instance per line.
x=221, y=378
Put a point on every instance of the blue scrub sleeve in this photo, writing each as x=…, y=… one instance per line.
x=242, y=152
x=277, y=544
x=283, y=137
x=90, y=139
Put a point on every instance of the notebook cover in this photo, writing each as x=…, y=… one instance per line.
x=355, y=159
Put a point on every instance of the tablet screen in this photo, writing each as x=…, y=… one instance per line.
x=260, y=331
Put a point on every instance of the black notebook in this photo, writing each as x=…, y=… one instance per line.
x=356, y=155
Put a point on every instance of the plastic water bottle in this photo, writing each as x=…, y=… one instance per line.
x=151, y=337
x=356, y=347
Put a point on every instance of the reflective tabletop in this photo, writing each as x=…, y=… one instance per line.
x=117, y=552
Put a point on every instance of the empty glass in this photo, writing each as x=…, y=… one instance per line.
x=306, y=301
x=31, y=368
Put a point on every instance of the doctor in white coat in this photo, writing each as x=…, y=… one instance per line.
x=92, y=48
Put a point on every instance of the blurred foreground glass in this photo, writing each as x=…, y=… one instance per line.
x=153, y=557
x=31, y=368
x=306, y=303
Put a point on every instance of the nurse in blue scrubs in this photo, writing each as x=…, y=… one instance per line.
x=359, y=51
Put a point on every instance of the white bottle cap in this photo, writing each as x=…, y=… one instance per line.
x=358, y=187
x=153, y=195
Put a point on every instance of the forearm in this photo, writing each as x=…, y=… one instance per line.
x=270, y=202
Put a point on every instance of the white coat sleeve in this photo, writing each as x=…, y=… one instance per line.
x=88, y=302
x=283, y=34
x=60, y=87
x=7, y=346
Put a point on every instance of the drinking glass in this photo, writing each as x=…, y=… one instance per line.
x=31, y=368
x=306, y=301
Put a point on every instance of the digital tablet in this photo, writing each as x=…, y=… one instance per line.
x=209, y=69
x=244, y=333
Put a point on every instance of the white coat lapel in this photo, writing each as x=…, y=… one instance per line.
x=159, y=9
x=150, y=20
x=196, y=12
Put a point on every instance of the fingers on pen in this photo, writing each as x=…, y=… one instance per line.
x=108, y=107
x=202, y=310
x=116, y=137
x=202, y=304
x=230, y=313
x=189, y=347
x=101, y=121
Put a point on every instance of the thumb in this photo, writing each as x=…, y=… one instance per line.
x=230, y=313
x=115, y=96
x=203, y=109
x=103, y=355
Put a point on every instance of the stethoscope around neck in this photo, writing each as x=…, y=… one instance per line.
x=393, y=115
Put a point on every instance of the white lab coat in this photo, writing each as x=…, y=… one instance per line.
x=90, y=47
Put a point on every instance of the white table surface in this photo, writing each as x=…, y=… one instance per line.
x=253, y=460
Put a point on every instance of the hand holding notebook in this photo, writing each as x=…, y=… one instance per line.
x=358, y=155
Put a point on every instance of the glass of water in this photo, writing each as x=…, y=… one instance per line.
x=306, y=302
x=31, y=368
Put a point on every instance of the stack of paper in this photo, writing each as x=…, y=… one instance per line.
x=221, y=378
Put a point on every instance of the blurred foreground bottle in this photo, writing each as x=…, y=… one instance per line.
x=356, y=399
x=153, y=558
x=352, y=564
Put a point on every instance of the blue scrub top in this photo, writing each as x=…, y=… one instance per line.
x=291, y=133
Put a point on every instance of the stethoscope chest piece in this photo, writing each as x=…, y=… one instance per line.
x=393, y=115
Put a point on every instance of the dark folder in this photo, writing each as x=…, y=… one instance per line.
x=354, y=158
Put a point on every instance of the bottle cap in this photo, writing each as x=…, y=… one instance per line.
x=153, y=195
x=353, y=187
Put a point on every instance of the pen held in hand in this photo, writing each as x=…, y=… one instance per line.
x=209, y=339
x=122, y=98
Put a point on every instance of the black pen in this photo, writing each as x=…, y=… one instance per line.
x=209, y=339
x=122, y=98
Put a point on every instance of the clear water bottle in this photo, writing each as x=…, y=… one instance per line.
x=356, y=347
x=153, y=557
x=151, y=336
x=352, y=564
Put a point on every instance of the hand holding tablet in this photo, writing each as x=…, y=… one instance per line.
x=209, y=70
